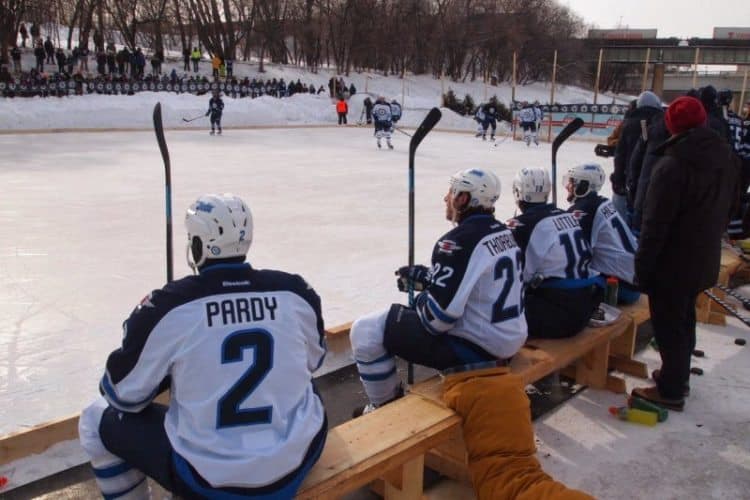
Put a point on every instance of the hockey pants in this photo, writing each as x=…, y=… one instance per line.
x=555, y=313
x=215, y=121
x=378, y=337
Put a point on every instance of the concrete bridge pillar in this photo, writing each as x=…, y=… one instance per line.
x=657, y=83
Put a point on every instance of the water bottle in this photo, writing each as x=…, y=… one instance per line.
x=610, y=293
x=642, y=404
x=634, y=415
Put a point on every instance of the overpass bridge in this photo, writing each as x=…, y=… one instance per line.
x=649, y=58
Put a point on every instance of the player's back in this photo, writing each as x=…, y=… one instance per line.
x=240, y=346
x=554, y=244
x=476, y=286
x=381, y=112
x=612, y=243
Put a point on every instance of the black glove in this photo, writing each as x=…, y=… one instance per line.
x=418, y=275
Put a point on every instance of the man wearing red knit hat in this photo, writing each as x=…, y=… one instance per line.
x=693, y=188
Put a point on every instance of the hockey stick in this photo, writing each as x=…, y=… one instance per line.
x=569, y=130
x=745, y=301
x=403, y=131
x=728, y=307
x=159, y=130
x=188, y=120
x=424, y=128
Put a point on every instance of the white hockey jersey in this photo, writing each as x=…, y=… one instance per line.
x=527, y=115
x=381, y=112
x=612, y=243
x=238, y=347
x=475, y=288
x=555, y=247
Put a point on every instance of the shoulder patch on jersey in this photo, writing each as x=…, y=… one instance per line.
x=146, y=302
x=513, y=223
x=447, y=246
x=578, y=214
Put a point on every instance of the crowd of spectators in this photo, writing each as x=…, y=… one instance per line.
x=57, y=72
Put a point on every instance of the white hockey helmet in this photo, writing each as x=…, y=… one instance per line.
x=586, y=178
x=532, y=185
x=219, y=226
x=482, y=185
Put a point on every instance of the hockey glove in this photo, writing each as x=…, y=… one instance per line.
x=418, y=275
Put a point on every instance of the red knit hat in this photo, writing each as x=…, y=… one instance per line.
x=683, y=114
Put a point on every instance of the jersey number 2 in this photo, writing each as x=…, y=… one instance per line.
x=228, y=409
x=504, y=270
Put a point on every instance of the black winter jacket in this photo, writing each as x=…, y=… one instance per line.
x=693, y=189
x=631, y=131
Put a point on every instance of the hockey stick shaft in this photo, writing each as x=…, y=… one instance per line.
x=188, y=120
x=159, y=130
x=564, y=134
x=728, y=307
x=403, y=131
x=424, y=128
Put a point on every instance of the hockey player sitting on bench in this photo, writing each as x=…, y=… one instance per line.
x=612, y=243
x=470, y=308
x=561, y=292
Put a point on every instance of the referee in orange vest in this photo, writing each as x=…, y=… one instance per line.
x=342, y=108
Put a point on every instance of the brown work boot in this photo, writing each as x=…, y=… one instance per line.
x=652, y=394
x=685, y=390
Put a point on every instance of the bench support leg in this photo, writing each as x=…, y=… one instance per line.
x=406, y=482
x=591, y=369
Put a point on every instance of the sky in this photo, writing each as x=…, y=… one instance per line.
x=680, y=18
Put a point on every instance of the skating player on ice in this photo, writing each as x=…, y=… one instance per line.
x=382, y=118
x=215, y=109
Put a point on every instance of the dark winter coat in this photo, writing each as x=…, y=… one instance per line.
x=638, y=185
x=631, y=131
x=693, y=189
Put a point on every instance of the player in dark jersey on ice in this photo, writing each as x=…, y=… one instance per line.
x=487, y=119
x=469, y=309
x=382, y=118
x=237, y=346
x=612, y=243
x=215, y=109
x=561, y=290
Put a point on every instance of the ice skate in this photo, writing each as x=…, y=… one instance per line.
x=484, y=137
x=212, y=132
x=219, y=132
x=390, y=146
x=379, y=145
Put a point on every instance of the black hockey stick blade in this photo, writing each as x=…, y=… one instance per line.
x=159, y=131
x=564, y=134
x=424, y=128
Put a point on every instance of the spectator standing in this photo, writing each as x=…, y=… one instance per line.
x=215, y=64
x=195, y=56
x=34, y=31
x=690, y=197
x=352, y=90
x=342, y=108
x=15, y=56
x=111, y=59
x=84, y=59
x=60, y=57
x=368, y=110
x=24, y=35
x=186, y=59
x=49, y=49
x=230, y=68
x=39, y=54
